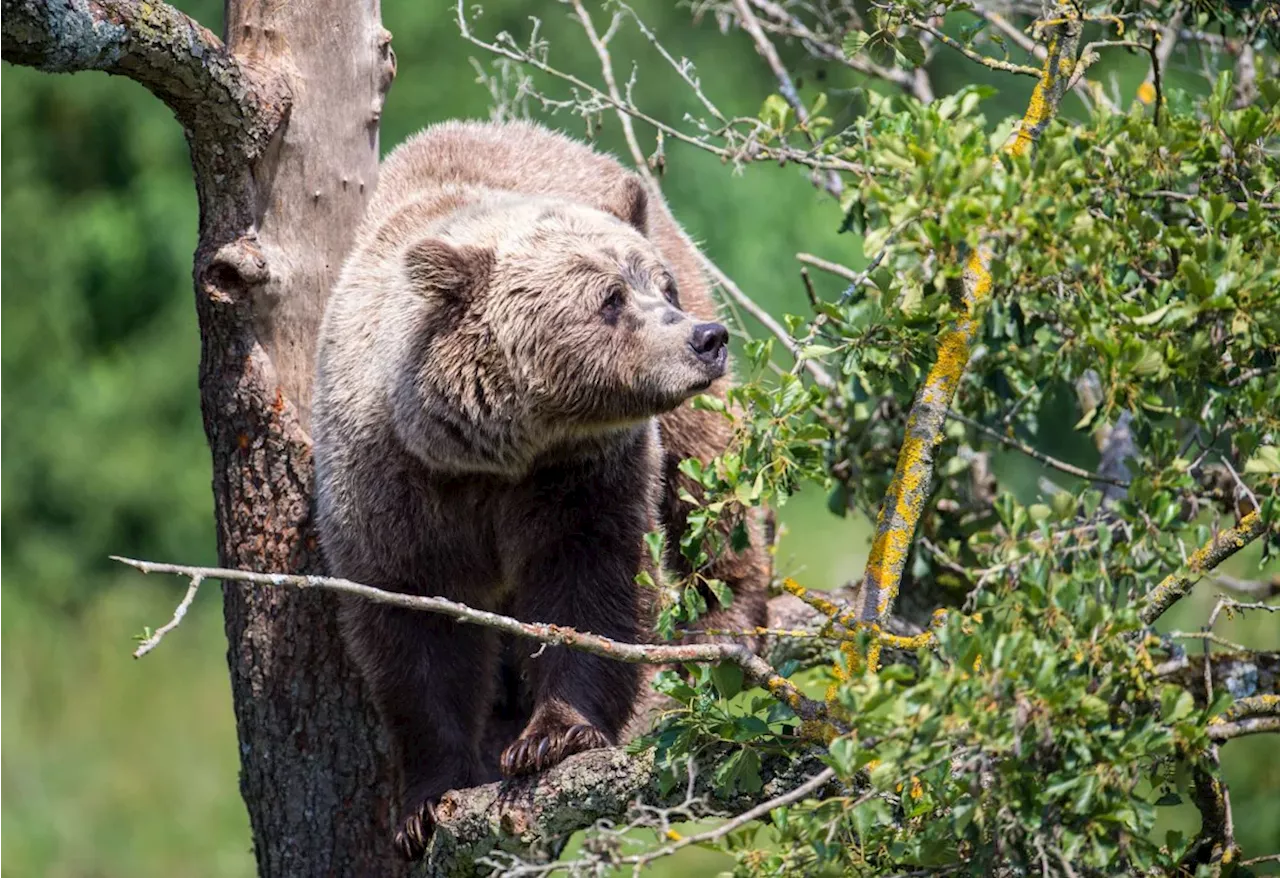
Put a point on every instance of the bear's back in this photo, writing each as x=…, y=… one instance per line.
x=519, y=157
x=523, y=158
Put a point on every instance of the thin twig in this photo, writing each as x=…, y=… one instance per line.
x=756, y=668
x=785, y=24
x=831, y=267
x=984, y=60
x=812, y=785
x=1052, y=462
x=758, y=151
x=1253, y=587
x=179, y=612
x=786, y=87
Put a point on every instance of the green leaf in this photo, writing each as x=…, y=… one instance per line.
x=854, y=42
x=843, y=753
x=727, y=678
x=1154, y=317
x=814, y=351
x=1265, y=460
x=774, y=112
x=911, y=50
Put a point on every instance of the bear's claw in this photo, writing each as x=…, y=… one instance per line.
x=415, y=831
x=536, y=751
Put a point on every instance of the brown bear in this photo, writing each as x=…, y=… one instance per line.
x=499, y=415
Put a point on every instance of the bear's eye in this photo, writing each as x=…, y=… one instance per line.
x=613, y=303
x=669, y=292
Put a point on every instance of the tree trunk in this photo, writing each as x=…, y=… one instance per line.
x=282, y=122
x=314, y=769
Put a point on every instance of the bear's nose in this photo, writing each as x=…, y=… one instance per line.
x=708, y=341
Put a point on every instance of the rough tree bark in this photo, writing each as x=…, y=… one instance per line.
x=284, y=146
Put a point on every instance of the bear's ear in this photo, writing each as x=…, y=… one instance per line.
x=435, y=266
x=629, y=202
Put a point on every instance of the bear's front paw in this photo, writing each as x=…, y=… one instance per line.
x=540, y=748
x=415, y=830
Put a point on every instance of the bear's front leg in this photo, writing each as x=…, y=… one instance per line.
x=579, y=573
x=432, y=681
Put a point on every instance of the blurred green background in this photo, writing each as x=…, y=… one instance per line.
x=119, y=768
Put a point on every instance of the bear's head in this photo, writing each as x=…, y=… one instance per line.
x=546, y=321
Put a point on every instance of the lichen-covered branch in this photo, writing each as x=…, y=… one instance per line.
x=984, y=60
x=173, y=56
x=757, y=670
x=531, y=819
x=1215, y=842
x=1221, y=547
x=904, y=502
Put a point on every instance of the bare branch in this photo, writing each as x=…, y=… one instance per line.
x=1052, y=462
x=169, y=53
x=1240, y=728
x=153, y=641
x=1243, y=673
x=820, y=780
x=751, y=147
x=755, y=668
x=786, y=87
x=984, y=60
x=1261, y=588
x=831, y=267
x=1220, y=548
x=784, y=24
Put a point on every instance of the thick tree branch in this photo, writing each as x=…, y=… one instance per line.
x=532, y=818
x=913, y=476
x=210, y=91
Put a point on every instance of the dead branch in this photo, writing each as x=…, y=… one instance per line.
x=1040, y=456
x=1243, y=673
x=756, y=669
x=786, y=87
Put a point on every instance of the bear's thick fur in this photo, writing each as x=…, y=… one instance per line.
x=498, y=420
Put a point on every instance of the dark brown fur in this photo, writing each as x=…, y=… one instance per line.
x=484, y=432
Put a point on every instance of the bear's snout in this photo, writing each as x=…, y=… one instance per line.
x=709, y=342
